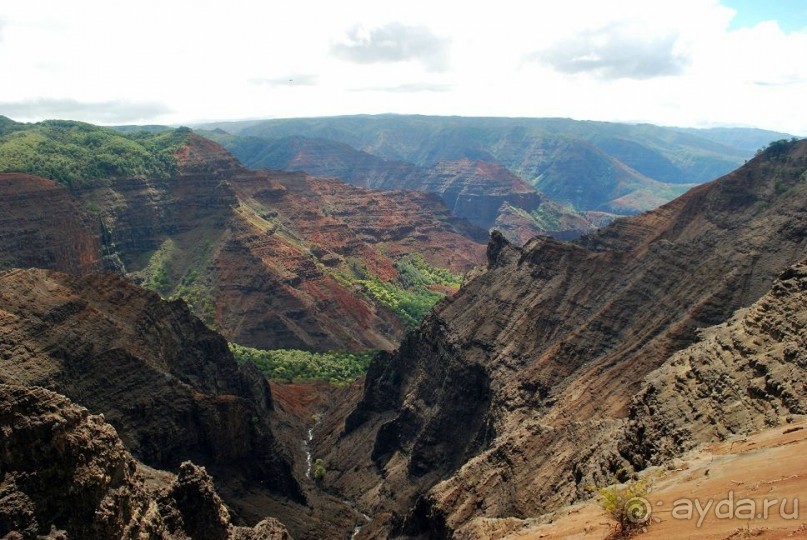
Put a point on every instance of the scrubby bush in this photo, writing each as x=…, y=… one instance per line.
x=627, y=504
x=319, y=470
x=410, y=295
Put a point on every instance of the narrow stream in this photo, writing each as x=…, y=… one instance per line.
x=309, y=465
x=307, y=447
x=357, y=529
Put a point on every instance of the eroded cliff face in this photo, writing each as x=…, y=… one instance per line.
x=478, y=189
x=509, y=399
x=284, y=272
x=741, y=376
x=64, y=473
x=43, y=226
x=167, y=383
x=261, y=255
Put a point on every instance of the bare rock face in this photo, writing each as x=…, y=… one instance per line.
x=166, y=382
x=43, y=226
x=742, y=376
x=513, y=394
x=65, y=473
x=478, y=189
x=259, y=254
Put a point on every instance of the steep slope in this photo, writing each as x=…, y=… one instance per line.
x=65, y=473
x=510, y=397
x=43, y=226
x=320, y=244
x=751, y=470
x=170, y=387
x=167, y=383
x=479, y=188
x=740, y=377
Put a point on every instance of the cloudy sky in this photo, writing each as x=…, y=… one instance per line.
x=687, y=63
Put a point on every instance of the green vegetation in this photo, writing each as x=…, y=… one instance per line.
x=410, y=306
x=193, y=289
x=174, y=259
x=777, y=149
x=414, y=292
x=157, y=274
x=416, y=272
x=293, y=365
x=319, y=470
x=627, y=504
x=78, y=154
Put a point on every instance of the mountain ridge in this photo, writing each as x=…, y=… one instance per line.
x=650, y=161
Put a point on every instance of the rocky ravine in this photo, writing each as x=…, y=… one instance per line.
x=740, y=377
x=66, y=474
x=167, y=383
x=170, y=388
x=509, y=399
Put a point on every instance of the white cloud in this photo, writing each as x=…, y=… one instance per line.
x=623, y=60
x=411, y=88
x=393, y=42
x=107, y=112
x=614, y=52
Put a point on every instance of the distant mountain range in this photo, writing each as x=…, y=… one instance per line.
x=564, y=177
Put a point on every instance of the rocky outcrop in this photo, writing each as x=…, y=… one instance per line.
x=740, y=377
x=539, y=357
x=477, y=189
x=41, y=225
x=263, y=252
x=166, y=382
x=64, y=473
x=548, y=219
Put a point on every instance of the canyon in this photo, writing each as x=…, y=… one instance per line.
x=556, y=366
x=483, y=192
